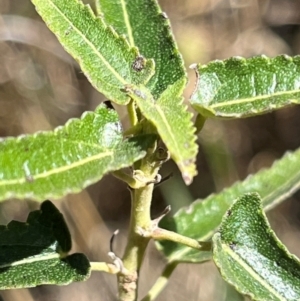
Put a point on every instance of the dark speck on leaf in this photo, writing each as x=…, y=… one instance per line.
x=228, y=212
x=139, y=63
x=67, y=32
x=29, y=179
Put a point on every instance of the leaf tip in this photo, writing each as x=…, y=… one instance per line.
x=188, y=175
x=187, y=178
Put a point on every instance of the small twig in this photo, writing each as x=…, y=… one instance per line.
x=104, y=267
x=153, y=231
x=163, y=234
x=161, y=282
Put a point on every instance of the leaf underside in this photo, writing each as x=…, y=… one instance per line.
x=105, y=58
x=66, y=160
x=251, y=257
x=173, y=123
x=148, y=28
x=35, y=252
x=202, y=218
x=239, y=87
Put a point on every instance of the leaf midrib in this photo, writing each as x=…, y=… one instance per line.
x=167, y=125
x=252, y=99
x=58, y=169
x=32, y=259
x=92, y=46
x=127, y=23
x=251, y=271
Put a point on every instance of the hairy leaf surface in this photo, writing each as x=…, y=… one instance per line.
x=52, y=164
x=239, y=87
x=202, y=218
x=35, y=252
x=148, y=28
x=173, y=123
x=105, y=58
x=251, y=257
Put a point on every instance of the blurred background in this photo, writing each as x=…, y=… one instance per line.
x=41, y=87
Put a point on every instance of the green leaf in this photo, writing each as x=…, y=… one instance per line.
x=35, y=252
x=239, y=87
x=52, y=164
x=173, y=123
x=251, y=257
x=105, y=58
x=148, y=28
x=202, y=218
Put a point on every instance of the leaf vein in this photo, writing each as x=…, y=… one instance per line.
x=92, y=46
x=127, y=23
x=252, y=99
x=58, y=169
x=252, y=272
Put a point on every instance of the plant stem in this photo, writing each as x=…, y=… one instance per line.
x=137, y=244
x=163, y=234
x=104, y=267
x=161, y=282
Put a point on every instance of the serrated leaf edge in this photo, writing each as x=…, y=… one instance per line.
x=209, y=111
x=11, y=194
x=237, y=258
x=110, y=30
x=187, y=173
x=84, y=37
x=169, y=37
x=182, y=163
